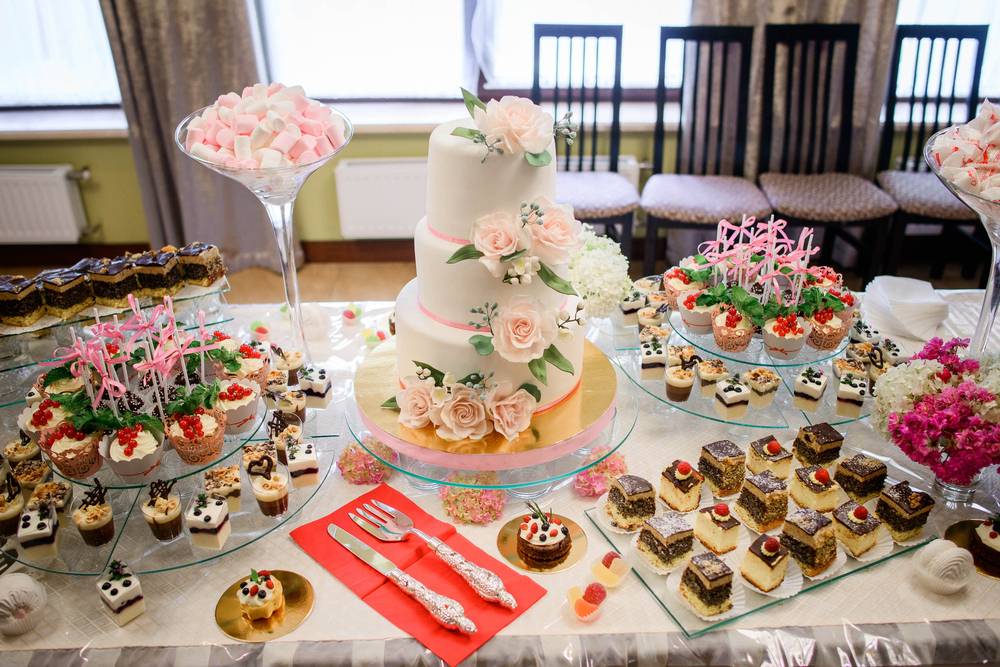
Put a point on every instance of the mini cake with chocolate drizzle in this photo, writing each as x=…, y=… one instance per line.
x=94, y=517
x=665, y=540
x=253, y=451
x=810, y=537
x=159, y=272
x=11, y=504
x=276, y=383
x=283, y=429
x=765, y=563
x=678, y=354
x=852, y=366
x=861, y=477
x=631, y=500
x=57, y=494
x=904, y=510
x=862, y=332
x=818, y=444
x=162, y=511
x=711, y=371
x=680, y=486
x=224, y=482
x=542, y=541
x=763, y=501
x=112, y=281
x=767, y=454
x=121, y=593
x=270, y=487
x=20, y=301
x=707, y=584
x=201, y=263
x=723, y=465
x=208, y=521
x=813, y=487
x=717, y=529
x=856, y=528
x=261, y=596
x=66, y=292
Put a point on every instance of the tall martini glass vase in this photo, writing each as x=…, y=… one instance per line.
x=989, y=214
x=276, y=188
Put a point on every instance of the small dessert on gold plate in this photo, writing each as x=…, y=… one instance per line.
x=261, y=595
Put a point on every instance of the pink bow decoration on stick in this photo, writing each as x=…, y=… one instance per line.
x=110, y=386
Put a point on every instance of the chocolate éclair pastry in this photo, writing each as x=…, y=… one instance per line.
x=904, y=510
x=65, y=291
x=158, y=271
x=861, y=477
x=20, y=301
x=201, y=263
x=112, y=280
x=665, y=539
x=810, y=537
x=723, y=464
x=631, y=500
x=763, y=501
x=707, y=584
x=818, y=444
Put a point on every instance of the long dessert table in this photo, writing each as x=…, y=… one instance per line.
x=878, y=616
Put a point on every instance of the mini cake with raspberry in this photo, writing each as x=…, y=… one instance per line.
x=813, y=487
x=261, y=596
x=985, y=543
x=723, y=464
x=631, y=500
x=697, y=318
x=542, y=541
x=238, y=399
x=767, y=454
x=861, y=477
x=810, y=538
x=717, y=529
x=856, y=528
x=765, y=563
x=828, y=328
x=707, y=585
x=665, y=540
x=904, y=510
x=732, y=330
x=818, y=444
x=680, y=486
x=785, y=335
x=763, y=501
x=197, y=436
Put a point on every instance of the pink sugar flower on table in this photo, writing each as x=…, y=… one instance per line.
x=594, y=482
x=357, y=466
x=470, y=505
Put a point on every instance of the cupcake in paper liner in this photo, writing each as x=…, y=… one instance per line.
x=35, y=420
x=675, y=281
x=197, y=437
x=829, y=329
x=785, y=336
x=479, y=506
x=76, y=455
x=134, y=453
x=697, y=319
x=357, y=466
x=732, y=330
x=239, y=399
x=595, y=481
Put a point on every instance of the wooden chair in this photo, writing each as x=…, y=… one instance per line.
x=707, y=184
x=806, y=179
x=598, y=197
x=921, y=197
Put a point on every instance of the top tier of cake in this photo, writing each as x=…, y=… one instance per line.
x=461, y=187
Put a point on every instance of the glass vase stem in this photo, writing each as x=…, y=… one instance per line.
x=280, y=216
x=991, y=300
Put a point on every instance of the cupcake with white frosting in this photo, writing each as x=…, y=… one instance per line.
x=135, y=452
x=238, y=399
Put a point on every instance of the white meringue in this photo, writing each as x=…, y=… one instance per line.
x=942, y=567
x=22, y=600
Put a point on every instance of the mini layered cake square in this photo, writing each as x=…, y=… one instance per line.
x=904, y=510
x=767, y=454
x=112, y=280
x=707, y=584
x=680, y=486
x=631, y=304
x=810, y=384
x=761, y=380
x=303, y=466
x=38, y=533
x=717, y=528
x=201, y=263
x=813, y=487
x=66, y=292
x=208, y=521
x=224, y=482
x=653, y=358
x=723, y=464
x=765, y=563
x=861, y=477
x=818, y=444
x=158, y=271
x=665, y=540
x=810, y=538
x=763, y=501
x=314, y=381
x=631, y=500
x=20, y=301
x=856, y=528
x=730, y=392
x=121, y=593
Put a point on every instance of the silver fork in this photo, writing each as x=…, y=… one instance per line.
x=390, y=525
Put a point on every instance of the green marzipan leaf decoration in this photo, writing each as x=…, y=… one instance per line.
x=390, y=404
x=537, y=368
x=533, y=390
x=538, y=159
x=468, y=133
x=713, y=295
x=436, y=375
x=465, y=252
x=514, y=255
x=483, y=344
x=56, y=374
x=471, y=102
x=550, y=278
x=230, y=360
x=747, y=305
x=203, y=395
x=254, y=577
x=699, y=275
x=556, y=358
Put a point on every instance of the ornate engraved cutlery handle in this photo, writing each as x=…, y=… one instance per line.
x=486, y=583
x=445, y=611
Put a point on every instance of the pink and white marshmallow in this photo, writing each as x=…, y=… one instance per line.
x=969, y=155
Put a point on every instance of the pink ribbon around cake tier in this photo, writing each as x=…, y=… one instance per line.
x=445, y=237
x=448, y=323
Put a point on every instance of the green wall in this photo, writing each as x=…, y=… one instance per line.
x=114, y=206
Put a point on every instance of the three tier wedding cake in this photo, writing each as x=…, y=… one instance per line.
x=489, y=331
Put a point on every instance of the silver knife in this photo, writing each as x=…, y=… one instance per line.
x=445, y=611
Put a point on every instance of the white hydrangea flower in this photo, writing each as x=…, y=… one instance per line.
x=901, y=385
x=599, y=273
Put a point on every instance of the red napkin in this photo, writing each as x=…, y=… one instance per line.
x=415, y=558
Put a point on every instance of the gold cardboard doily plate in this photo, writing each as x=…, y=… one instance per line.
x=961, y=534
x=507, y=544
x=299, y=598
x=376, y=380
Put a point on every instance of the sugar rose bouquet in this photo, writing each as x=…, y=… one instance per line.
x=941, y=410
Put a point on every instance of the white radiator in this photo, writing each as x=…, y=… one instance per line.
x=384, y=198
x=40, y=204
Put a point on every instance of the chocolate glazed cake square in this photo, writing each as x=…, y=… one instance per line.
x=818, y=444
x=723, y=465
x=112, y=280
x=201, y=263
x=159, y=272
x=65, y=291
x=861, y=477
x=20, y=301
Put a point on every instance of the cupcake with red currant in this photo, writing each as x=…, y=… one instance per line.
x=825, y=278
x=245, y=362
x=75, y=452
x=46, y=415
x=135, y=450
x=239, y=399
x=732, y=329
x=785, y=335
x=196, y=426
x=677, y=280
x=828, y=328
x=697, y=317
x=59, y=380
x=848, y=298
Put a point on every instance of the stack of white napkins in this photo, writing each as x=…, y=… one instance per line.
x=904, y=307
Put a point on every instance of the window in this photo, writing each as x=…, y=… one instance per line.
x=55, y=53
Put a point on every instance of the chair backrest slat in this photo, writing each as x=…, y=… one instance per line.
x=707, y=53
x=570, y=90
x=958, y=46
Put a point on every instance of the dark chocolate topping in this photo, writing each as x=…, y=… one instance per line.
x=757, y=549
x=685, y=484
x=804, y=475
x=862, y=465
x=728, y=523
x=724, y=449
x=633, y=485
x=711, y=566
x=160, y=489
x=14, y=284
x=11, y=487
x=767, y=482
x=97, y=495
x=823, y=433
x=195, y=248
x=809, y=521
x=908, y=498
x=760, y=446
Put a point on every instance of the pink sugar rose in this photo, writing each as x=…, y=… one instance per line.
x=517, y=123
x=462, y=415
x=415, y=402
x=522, y=329
x=497, y=235
x=557, y=236
x=510, y=410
